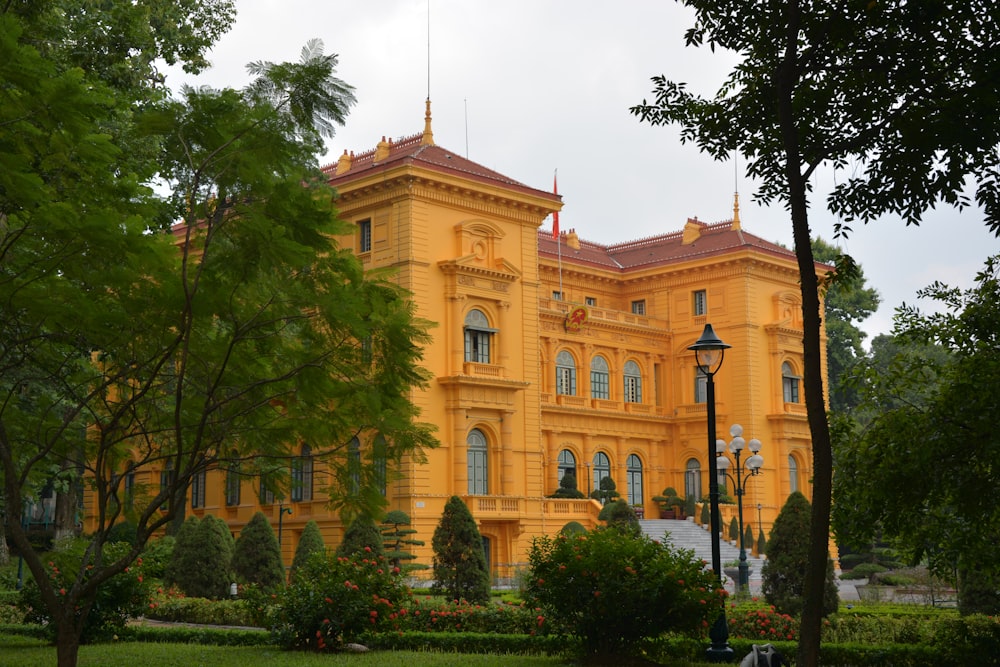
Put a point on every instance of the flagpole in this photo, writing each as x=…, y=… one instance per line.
x=556, y=235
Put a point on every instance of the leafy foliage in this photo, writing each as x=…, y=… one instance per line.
x=612, y=589
x=847, y=302
x=121, y=598
x=459, y=561
x=334, y=600
x=620, y=515
x=787, y=553
x=257, y=556
x=244, y=305
x=310, y=542
x=934, y=386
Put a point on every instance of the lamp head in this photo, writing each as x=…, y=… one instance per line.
x=708, y=351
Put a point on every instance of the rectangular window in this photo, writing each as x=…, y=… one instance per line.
x=639, y=307
x=590, y=300
x=557, y=295
x=565, y=381
x=633, y=389
x=600, y=385
x=700, y=304
x=166, y=481
x=198, y=490
x=791, y=389
x=477, y=346
x=700, y=387
x=364, y=236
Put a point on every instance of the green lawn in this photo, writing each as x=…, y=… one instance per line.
x=26, y=652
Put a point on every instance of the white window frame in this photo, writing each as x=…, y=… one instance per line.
x=600, y=378
x=565, y=374
x=365, y=235
x=478, y=337
x=632, y=382
x=699, y=305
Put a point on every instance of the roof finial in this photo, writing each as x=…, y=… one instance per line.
x=736, y=211
x=428, y=138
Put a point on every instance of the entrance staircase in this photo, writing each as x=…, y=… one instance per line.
x=683, y=534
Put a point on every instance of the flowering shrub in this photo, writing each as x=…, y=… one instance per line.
x=762, y=623
x=613, y=588
x=118, y=599
x=461, y=616
x=336, y=599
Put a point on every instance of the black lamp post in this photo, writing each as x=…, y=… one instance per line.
x=281, y=515
x=708, y=353
x=741, y=474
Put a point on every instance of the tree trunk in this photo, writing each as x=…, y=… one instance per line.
x=67, y=643
x=819, y=537
x=64, y=519
x=4, y=549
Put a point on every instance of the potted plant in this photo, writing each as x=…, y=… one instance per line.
x=671, y=505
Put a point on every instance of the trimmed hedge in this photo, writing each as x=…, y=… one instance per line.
x=474, y=642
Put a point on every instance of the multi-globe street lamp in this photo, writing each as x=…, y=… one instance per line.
x=708, y=353
x=742, y=472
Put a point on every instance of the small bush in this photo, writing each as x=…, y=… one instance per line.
x=310, y=543
x=335, y=599
x=763, y=624
x=612, y=589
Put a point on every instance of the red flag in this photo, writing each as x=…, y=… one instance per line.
x=555, y=214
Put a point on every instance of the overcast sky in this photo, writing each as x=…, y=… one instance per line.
x=526, y=87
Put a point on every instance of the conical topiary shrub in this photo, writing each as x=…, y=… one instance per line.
x=459, y=561
x=257, y=556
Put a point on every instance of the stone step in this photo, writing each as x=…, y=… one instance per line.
x=683, y=534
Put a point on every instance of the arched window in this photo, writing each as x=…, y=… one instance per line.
x=478, y=463
x=600, y=385
x=633, y=382
x=789, y=383
x=602, y=468
x=565, y=374
x=567, y=464
x=692, y=479
x=302, y=475
x=478, y=336
x=634, y=467
x=793, y=475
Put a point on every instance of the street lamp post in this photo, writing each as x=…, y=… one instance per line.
x=741, y=474
x=708, y=353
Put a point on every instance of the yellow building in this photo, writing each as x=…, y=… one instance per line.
x=556, y=355
x=553, y=356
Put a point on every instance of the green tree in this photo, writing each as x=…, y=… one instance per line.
x=902, y=89
x=397, y=538
x=937, y=389
x=202, y=558
x=847, y=303
x=567, y=488
x=311, y=542
x=734, y=529
x=361, y=537
x=257, y=556
x=459, y=560
x=783, y=573
x=245, y=326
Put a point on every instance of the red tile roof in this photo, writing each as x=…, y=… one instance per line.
x=412, y=151
x=714, y=239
